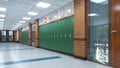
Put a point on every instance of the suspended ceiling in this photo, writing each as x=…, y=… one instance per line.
x=17, y=9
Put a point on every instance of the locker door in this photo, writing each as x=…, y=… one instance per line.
x=55, y=41
x=58, y=36
x=43, y=36
x=46, y=35
x=52, y=39
x=62, y=36
x=68, y=32
x=71, y=40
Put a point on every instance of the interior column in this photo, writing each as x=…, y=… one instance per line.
x=80, y=29
x=15, y=36
x=36, y=31
x=20, y=35
x=30, y=34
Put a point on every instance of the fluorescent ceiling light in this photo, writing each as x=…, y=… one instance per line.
x=26, y=18
x=55, y=16
x=2, y=20
x=43, y=5
x=2, y=15
x=2, y=9
x=22, y=21
x=69, y=10
x=32, y=13
x=6, y=0
x=98, y=1
x=18, y=24
x=93, y=14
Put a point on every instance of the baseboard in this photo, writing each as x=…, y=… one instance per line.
x=80, y=57
x=57, y=51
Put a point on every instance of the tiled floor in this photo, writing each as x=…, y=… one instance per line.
x=14, y=55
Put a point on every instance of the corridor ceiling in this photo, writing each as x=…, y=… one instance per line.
x=17, y=9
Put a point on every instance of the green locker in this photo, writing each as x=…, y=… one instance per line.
x=25, y=37
x=62, y=32
x=66, y=35
x=58, y=35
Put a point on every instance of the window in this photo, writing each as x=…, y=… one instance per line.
x=99, y=31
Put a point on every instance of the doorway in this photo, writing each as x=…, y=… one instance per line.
x=6, y=36
x=115, y=33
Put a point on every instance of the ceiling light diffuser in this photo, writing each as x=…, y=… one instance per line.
x=93, y=14
x=2, y=9
x=2, y=20
x=32, y=13
x=19, y=24
x=69, y=10
x=43, y=5
x=26, y=18
x=22, y=21
x=98, y=1
x=2, y=16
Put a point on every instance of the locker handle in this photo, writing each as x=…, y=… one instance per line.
x=114, y=31
x=65, y=35
x=70, y=35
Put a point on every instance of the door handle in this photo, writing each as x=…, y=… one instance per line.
x=114, y=31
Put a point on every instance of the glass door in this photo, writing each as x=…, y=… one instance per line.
x=99, y=31
x=3, y=36
x=10, y=36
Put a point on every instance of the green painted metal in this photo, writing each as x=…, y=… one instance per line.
x=25, y=37
x=58, y=36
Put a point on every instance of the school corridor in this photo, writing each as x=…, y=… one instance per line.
x=59, y=33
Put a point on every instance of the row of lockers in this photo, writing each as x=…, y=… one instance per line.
x=58, y=36
x=25, y=37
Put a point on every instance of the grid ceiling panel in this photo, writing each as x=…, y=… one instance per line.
x=17, y=9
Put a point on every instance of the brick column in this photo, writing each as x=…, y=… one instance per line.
x=20, y=35
x=30, y=34
x=36, y=31
x=80, y=29
x=15, y=36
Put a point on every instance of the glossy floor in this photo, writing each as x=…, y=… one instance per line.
x=14, y=55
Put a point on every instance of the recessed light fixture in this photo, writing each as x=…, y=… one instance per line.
x=6, y=0
x=93, y=14
x=98, y=1
x=26, y=18
x=32, y=13
x=22, y=21
x=69, y=10
x=55, y=16
x=43, y=5
x=2, y=16
x=2, y=9
x=2, y=20
x=18, y=25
